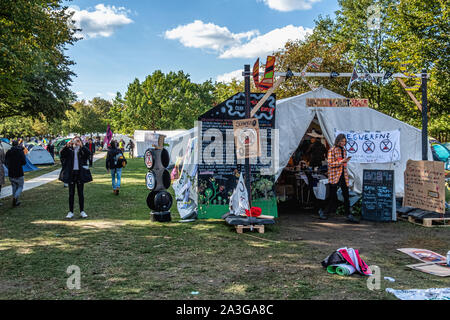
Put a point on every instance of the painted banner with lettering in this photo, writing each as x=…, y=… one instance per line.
x=372, y=146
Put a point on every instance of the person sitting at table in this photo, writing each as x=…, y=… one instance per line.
x=338, y=176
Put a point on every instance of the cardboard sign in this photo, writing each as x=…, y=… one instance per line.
x=336, y=102
x=246, y=137
x=425, y=185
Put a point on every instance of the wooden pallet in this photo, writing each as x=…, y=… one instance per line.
x=430, y=222
x=241, y=228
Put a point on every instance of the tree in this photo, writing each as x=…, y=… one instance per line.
x=161, y=102
x=35, y=73
x=87, y=117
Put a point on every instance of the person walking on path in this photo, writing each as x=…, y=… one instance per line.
x=2, y=170
x=130, y=147
x=114, y=165
x=338, y=176
x=14, y=161
x=75, y=172
x=91, y=147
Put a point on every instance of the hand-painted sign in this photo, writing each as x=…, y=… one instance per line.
x=425, y=185
x=336, y=102
x=372, y=147
x=246, y=136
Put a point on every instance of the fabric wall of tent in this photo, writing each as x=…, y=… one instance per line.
x=177, y=144
x=142, y=143
x=293, y=118
x=39, y=156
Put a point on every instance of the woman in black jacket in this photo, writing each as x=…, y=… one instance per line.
x=75, y=172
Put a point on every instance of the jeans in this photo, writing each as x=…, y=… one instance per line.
x=80, y=189
x=116, y=173
x=17, y=186
x=333, y=196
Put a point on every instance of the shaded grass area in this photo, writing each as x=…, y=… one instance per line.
x=123, y=255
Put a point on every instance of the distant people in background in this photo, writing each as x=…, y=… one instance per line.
x=113, y=166
x=130, y=146
x=122, y=145
x=2, y=170
x=75, y=172
x=14, y=161
x=91, y=147
x=51, y=149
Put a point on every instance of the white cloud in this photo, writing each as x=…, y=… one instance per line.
x=228, y=45
x=79, y=93
x=207, y=36
x=289, y=5
x=228, y=77
x=102, y=22
x=267, y=43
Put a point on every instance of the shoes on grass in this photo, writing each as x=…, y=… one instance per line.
x=83, y=214
x=16, y=202
x=69, y=215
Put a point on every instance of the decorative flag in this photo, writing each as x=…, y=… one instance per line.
x=256, y=73
x=360, y=73
x=314, y=63
x=109, y=135
x=267, y=81
x=239, y=198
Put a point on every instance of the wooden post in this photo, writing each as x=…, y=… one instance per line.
x=424, y=116
x=248, y=169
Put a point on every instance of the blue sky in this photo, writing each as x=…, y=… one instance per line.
x=208, y=39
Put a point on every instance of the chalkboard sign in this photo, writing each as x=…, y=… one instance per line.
x=378, y=201
x=219, y=169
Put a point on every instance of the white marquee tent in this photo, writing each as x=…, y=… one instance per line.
x=293, y=118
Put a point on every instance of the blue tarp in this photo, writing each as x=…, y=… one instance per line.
x=26, y=168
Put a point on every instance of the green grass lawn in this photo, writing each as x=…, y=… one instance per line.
x=123, y=255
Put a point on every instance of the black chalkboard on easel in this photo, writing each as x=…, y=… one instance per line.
x=378, y=196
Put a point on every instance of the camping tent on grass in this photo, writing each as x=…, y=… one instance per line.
x=39, y=156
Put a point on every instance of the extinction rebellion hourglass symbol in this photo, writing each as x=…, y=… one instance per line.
x=352, y=147
x=368, y=147
x=386, y=145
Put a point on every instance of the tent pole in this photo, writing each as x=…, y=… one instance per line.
x=247, y=115
x=424, y=116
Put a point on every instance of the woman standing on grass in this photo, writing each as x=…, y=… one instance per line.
x=75, y=172
x=338, y=177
